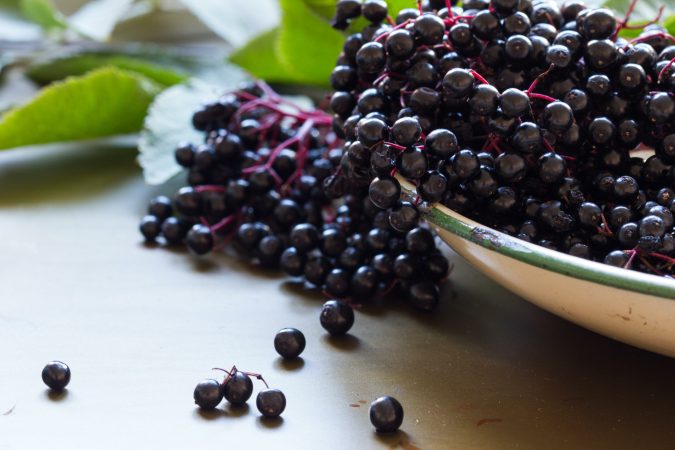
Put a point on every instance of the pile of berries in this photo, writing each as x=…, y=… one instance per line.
x=267, y=181
x=529, y=117
x=237, y=388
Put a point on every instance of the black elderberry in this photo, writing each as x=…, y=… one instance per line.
x=345, y=11
x=289, y=342
x=514, y=103
x=56, y=375
x=371, y=131
x=424, y=295
x=429, y=29
x=386, y=414
x=400, y=44
x=316, y=269
x=601, y=131
x=527, y=138
x=458, y=82
x=412, y=163
x=598, y=24
x=557, y=117
x=371, y=57
x=304, y=237
x=518, y=47
x=238, y=389
x=364, y=282
x=174, y=230
x=185, y=154
x=484, y=100
x=271, y=402
x=374, y=11
x=600, y=54
x=208, y=394
x=424, y=100
x=384, y=192
x=336, y=317
x=510, y=167
x=150, y=227
x=200, y=239
x=406, y=131
x=293, y=262
x=250, y=234
x=485, y=25
x=551, y=168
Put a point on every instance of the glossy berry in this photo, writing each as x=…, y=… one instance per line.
x=429, y=29
x=208, y=394
x=238, y=388
x=200, y=239
x=271, y=402
x=150, y=227
x=56, y=375
x=424, y=295
x=386, y=414
x=384, y=192
x=336, y=317
x=289, y=342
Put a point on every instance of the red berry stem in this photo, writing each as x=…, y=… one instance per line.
x=651, y=22
x=541, y=97
x=538, y=79
x=658, y=34
x=478, y=76
x=257, y=376
x=622, y=23
x=665, y=69
x=632, y=253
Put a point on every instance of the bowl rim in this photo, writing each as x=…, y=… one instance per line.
x=542, y=257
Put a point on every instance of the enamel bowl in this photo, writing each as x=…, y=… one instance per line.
x=629, y=306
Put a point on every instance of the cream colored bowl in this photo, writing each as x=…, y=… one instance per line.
x=629, y=306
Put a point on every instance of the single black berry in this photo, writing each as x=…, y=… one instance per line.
x=56, y=375
x=289, y=342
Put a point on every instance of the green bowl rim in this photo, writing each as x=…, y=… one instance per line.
x=544, y=258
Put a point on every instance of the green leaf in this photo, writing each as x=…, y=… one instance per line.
x=644, y=9
x=326, y=8
x=669, y=23
x=169, y=122
x=80, y=64
x=236, y=24
x=104, y=102
x=307, y=46
x=97, y=18
x=259, y=57
x=43, y=13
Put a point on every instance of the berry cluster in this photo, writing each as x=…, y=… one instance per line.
x=265, y=180
x=523, y=115
x=237, y=388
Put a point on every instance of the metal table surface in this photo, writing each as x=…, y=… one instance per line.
x=141, y=326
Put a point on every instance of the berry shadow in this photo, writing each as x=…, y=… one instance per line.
x=396, y=439
x=289, y=364
x=303, y=290
x=56, y=396
x=270, y=422
x=236, y=410
x=211, y=414
x=346, y=343
x=64, y=173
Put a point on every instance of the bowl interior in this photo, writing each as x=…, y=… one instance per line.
x=538, y=256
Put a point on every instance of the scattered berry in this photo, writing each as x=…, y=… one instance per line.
x=386, y=414
x=289, y=342
x=56, y=375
